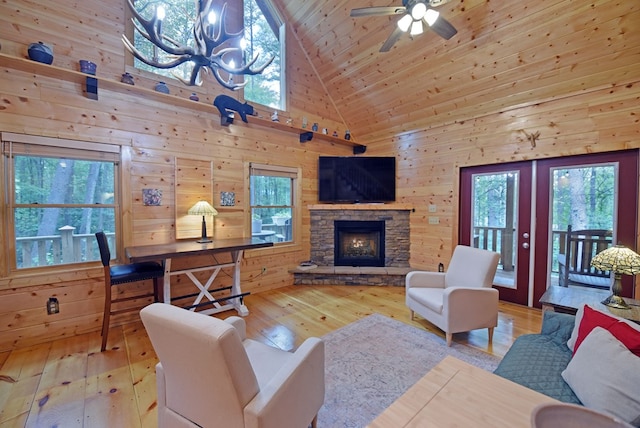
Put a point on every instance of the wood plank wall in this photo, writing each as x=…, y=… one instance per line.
x=429, y=161
x=153, y=134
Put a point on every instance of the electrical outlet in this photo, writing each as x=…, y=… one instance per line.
x=264, y=269
x=53, y=306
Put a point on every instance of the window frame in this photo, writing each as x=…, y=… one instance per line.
x=295, y=173
x=37, y=146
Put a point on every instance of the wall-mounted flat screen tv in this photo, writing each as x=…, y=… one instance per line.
x=356, y=179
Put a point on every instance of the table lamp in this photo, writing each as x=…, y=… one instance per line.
x=203, y=208
x=619, y=260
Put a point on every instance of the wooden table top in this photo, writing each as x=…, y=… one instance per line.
x=458, y=394
x=569, y=299
x=146, y=253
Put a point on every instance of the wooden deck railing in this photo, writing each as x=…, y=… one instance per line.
x=65, y=248
x=502, y=241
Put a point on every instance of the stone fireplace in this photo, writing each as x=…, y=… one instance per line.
x=374, y=231
x=358, y=243
x=394, y=240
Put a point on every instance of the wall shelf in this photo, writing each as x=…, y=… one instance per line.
x=52, y=71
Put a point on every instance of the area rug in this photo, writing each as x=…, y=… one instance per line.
x=373, y=361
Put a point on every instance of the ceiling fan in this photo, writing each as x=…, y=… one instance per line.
x=415, y=14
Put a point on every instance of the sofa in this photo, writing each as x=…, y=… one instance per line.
x=590, y=359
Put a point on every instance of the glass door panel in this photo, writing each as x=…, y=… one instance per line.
x=584, y=199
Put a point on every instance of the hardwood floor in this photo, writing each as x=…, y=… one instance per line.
x=70, y=383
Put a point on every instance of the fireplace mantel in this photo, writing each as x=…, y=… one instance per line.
x=379, y=207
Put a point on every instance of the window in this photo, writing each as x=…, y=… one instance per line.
x=263, y=35
x=273, y=202
x=58, y=198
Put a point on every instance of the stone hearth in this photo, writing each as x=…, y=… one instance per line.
x=397, y=245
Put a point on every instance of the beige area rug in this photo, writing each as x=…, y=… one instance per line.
x=373, y=361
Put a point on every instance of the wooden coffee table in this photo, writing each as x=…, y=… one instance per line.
x=569, y=299
x=457, y=394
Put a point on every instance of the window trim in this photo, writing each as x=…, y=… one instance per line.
x=23, y=144
x=296, y=198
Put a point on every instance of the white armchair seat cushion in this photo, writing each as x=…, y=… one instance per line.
x=431, y=298
x=265, y=360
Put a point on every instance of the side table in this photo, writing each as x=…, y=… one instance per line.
x=569, y=299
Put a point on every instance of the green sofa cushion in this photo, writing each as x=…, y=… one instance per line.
x=537, y=360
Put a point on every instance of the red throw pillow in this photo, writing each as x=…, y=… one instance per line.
x=626, y=334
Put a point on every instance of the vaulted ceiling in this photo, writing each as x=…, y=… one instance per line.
x=506, y=54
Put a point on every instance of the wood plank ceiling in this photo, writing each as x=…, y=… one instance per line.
x=506, y=54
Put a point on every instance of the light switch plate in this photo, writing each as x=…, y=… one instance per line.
x=434, y=220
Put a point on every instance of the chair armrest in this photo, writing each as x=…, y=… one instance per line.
x=464, y=307
x=562, y=259
x=295, y=394
x=425, y=279
x=239, y=324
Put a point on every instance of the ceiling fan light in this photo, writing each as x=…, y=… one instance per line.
x=416, y=28
x=418, y=10
x=431, y=16
x=405, y=22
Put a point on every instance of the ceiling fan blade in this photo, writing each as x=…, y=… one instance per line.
x=393, y=38
x=377, y=11
x=443, y=28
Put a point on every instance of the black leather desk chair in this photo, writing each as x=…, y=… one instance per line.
x=121, y=274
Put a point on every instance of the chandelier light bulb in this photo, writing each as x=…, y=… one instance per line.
x=416, y=28
x=431, y=16
x=405, y=22
x=211, y=17
x=160, y=13
x=418, y=10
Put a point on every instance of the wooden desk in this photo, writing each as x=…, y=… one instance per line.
x=457, y=394
x=569, y=299
x=167, y=252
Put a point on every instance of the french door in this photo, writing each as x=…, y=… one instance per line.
x=522, y=210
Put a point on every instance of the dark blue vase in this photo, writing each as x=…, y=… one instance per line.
x=40, y=52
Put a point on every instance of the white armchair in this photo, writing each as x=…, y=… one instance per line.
x=462, y=299
x=211, y=375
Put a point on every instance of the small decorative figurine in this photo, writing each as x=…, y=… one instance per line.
x=314, y=128
x=274, y=117
x=325, y=131
x=347, y=135
x=194, y=97
x=304, y=122
x=335, y=133
x=127, y=78
x=289, y=121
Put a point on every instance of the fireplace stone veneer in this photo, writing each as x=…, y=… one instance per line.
x=397, y=231
x=397, y=243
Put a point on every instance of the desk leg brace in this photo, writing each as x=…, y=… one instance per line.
x=236, y=289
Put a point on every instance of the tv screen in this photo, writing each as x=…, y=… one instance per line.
x=355, y=179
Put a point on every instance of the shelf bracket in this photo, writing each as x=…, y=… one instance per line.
x=359, y=149
x=306, y=136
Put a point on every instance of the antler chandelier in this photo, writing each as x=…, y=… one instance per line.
x=207, y=52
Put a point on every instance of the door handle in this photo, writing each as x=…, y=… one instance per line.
x=525, y=235
x=525, y=245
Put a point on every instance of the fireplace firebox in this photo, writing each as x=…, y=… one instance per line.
x=359, y=243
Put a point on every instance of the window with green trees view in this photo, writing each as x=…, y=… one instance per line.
x=61, y=197
x=273, y=200
x=263, y=36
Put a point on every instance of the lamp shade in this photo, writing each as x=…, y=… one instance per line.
x=202, y=208
x=617, y=259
